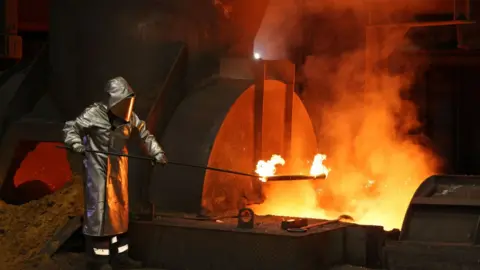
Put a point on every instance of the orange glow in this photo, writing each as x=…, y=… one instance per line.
x=317, y=166
x=45, y=163
x=376, y=166
x=268, y=168
x=224, y=192
x=362, y=122
x=350, y=189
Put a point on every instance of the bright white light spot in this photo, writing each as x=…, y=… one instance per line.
x=257, y=56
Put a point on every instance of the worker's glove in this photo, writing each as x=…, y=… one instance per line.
x=160, y=158
x=78, y=148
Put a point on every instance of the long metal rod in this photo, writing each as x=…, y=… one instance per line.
x=170, y=162
x=268, y=178
x=213, y=169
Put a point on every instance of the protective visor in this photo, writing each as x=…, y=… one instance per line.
x=124, y=109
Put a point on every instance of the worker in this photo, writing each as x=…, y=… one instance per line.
x=106, y=126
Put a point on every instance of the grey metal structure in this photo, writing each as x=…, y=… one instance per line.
x=189, y=139
x=172, y=243
x=441, y=227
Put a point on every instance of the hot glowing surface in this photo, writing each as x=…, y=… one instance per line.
x=46, y=163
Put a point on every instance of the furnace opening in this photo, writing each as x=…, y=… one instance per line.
x=234, y=149
x=36, y=170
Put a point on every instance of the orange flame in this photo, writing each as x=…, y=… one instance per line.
x=317, y=167
x=356, y=95
x=268, y=168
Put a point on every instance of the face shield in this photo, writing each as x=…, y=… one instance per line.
x=123, y=109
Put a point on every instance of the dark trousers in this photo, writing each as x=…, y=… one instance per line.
x=104, y=248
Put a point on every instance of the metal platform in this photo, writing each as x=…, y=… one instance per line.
x=177, y=243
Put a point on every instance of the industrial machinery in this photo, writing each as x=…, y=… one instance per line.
x=215, y=102
x=441, y=226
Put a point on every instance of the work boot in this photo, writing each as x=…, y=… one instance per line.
x=123, y=261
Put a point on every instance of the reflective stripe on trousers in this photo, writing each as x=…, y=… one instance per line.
x=122, y=245
x=106, y=246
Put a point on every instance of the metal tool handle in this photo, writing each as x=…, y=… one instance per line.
x=109, y=153
x=170, y=162
x=213, y=169
x=269, y=178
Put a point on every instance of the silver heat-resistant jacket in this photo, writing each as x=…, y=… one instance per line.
x=106, y=183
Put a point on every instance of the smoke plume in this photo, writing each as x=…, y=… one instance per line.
x=364, y=123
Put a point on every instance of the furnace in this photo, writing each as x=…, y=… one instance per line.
x=36, y=169
x=247, y=113
x=232, y=122
x=234, y=146
x=32, y=165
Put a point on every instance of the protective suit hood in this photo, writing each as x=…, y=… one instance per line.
x=120, y=98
